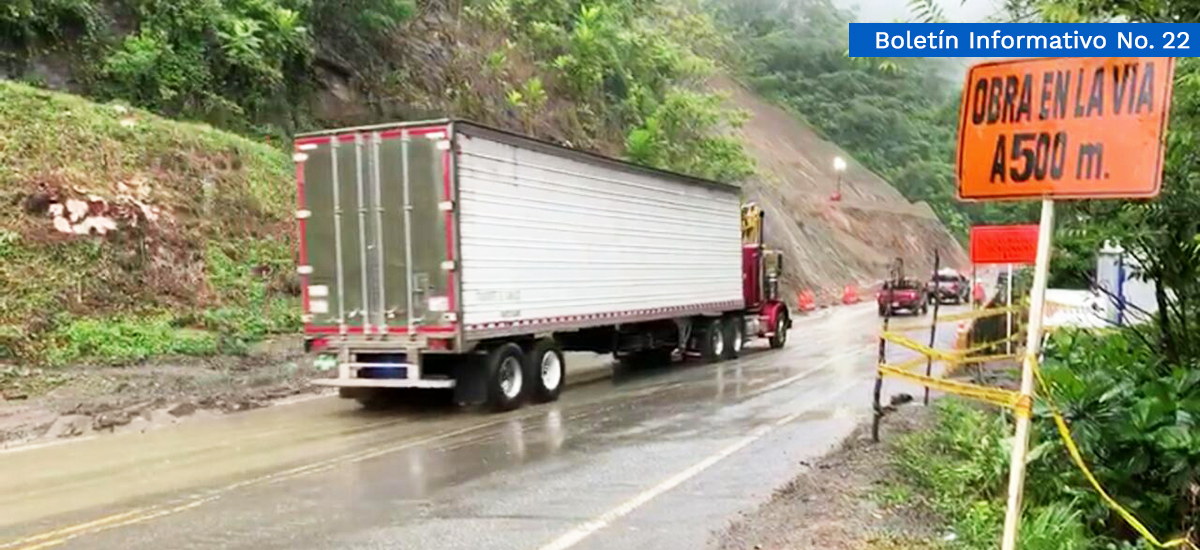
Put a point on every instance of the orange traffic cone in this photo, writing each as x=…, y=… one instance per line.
x=849, y=295
x=807, y=301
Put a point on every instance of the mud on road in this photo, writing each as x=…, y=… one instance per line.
x=79, y=400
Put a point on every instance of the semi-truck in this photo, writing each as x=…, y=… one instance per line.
x=451, y=255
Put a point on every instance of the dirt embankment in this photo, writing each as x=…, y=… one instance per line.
x=828, y=243
x=50, y=404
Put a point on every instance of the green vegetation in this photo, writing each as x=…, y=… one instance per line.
x=197, y=258
x=959, y=469
x=256, y=66
x=1134, y=415
x=634, y=79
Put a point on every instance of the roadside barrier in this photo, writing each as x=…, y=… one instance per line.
x=806, y=300
x=850, y=295
x=1009, y=399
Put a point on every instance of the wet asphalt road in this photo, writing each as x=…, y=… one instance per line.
x=652, y=459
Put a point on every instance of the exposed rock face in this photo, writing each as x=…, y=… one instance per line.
x=827, y=243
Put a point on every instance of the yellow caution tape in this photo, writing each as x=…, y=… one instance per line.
x=918, y=347
x=964, y=316
x=952, y=368
x=979, y=314
x=979, y=347
x=911, y=363
x=995, y=396
x=1065, y=433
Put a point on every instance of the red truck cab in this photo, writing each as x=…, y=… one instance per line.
x=905, y=294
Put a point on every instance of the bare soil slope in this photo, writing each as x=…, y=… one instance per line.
x=829, y=243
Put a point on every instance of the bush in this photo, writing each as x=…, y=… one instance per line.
x=959, y=468
x=1136, y=418
x=218, y=60
x=24, y=23
x=123, y=340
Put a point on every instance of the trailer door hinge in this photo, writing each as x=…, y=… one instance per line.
x=448, y=265
x=446, y=206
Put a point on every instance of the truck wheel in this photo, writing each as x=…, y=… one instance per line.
x=545, y=369
x=505, y=377
x=712, y=341
x=780, y=337
x=734, y=336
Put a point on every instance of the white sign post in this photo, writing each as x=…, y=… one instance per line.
x=1033, y=345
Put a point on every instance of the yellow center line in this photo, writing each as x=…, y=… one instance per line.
x=68, y=530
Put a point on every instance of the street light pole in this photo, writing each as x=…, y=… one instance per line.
x=839, y=166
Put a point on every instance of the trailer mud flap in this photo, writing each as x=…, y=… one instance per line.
x=470, y=381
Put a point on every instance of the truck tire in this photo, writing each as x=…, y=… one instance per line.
x=734, y=336
x=545, y=370
x=779, y=338
x=505, y=372
x=712, y=341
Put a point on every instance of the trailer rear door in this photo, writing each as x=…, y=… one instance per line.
x=375, y=239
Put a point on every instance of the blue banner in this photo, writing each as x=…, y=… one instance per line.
x=1024, y=39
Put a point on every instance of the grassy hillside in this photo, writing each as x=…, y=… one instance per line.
x=198, y=260
x=196, y=249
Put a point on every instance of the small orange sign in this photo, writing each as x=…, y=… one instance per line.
x=1004, y=244
x=1090, y=127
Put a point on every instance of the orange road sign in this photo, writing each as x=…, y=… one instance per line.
x=1090, y=127
x=1004, y=244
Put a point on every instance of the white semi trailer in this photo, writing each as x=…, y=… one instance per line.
x=446, y=254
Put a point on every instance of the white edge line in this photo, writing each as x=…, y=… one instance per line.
x=583, y=530
x=586, y=529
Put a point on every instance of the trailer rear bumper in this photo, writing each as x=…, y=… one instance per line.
x=398, y=370
x=385, y=383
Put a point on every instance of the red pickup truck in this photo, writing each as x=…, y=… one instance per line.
x=905, y=294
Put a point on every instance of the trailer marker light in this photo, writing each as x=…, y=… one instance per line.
x=446, y=206
x=318, y=291
x=436, y=135
x=304, y=270
x=308, y=147
x=448, y=265
x=303, y=214
x=443, y=145
x=299, y=157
